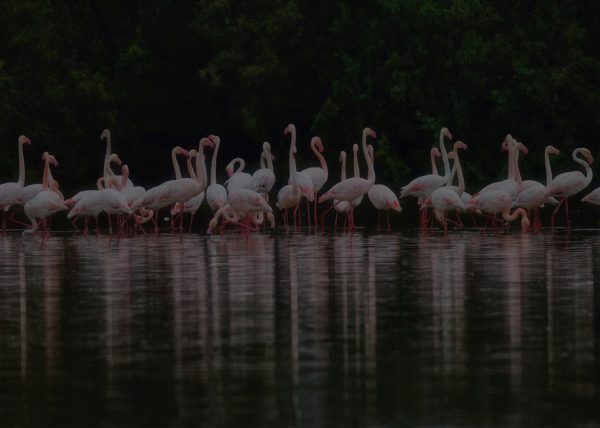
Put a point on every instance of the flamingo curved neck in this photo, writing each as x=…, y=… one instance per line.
x=270, y=161
x=319, y=156
x=201, y=175
x=213, y=164
x=444, y=155
x=370, y=168
x=516, y=213
x=547, y=165
x=45, y=177
x=175, y=164
x=588, y=171
x=108, y=151
x=434, y=169
x=292, y=160
x=190, y=168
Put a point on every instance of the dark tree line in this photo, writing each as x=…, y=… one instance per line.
x=165, y=73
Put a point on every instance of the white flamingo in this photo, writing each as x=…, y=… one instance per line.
x=382, y=197
x=216, y=194
x=11, y=193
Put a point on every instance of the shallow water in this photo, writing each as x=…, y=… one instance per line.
x=301, y=330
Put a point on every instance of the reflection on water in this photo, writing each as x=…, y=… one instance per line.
x=300, y=330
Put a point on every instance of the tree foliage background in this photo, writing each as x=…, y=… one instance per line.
x=160, y=73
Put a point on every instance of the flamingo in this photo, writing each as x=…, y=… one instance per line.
x=190, y=206
x=111, y=180
x=570, y=183
x=509, y=185
x=305, y=184
x=264, y=178
x=422, y=187
x=45, y=203
x=356, y=170
x=11, y=193
x=152, y=198
x=341, y=206
x=434, y=154
x=448, y=198
x=238, y=179
x=499, y=201
x=216, y=194
x=382, y=197
x=352, y=188
x=132, y=193
x=317, y=174
x=532, y=197
x=289, y=196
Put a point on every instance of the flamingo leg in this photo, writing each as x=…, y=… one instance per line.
x=552, y=217
x=387, y=214
x=308, y=213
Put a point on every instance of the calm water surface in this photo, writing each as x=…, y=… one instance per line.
x=301, y=330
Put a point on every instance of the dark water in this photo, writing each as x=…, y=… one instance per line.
x=301, y=330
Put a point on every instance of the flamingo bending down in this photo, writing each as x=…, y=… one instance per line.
x=45, y=203
x=11, y=193
x=570, y=183
x=382, y=197
x=216, y=194
x=352, y=188
x=499, y=201
x=289, y=196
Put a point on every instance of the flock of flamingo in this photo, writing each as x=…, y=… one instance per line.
x=244, y=200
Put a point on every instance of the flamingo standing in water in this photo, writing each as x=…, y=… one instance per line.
x=382, y=197
x=423, y=186
x=448, y=198
x=532, y=197
x=190, y=206
x=216, y=194
x=352, y=188
x=317, y=174
x=289, y=196
x=45, y=203
x=11, y=193
x=238, y=179
x=570, y=183
x=264, y=178
x=510, y=185
x=342, y=207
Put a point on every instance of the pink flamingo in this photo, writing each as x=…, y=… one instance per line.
x=352, y=188
x=238, y=179
x=45, y=203
x=111, y=179
x=448, y=198
x=216, y=194
x=570, y=183
x=423, y=186
x=534, y=195
x=510, y=185
x=317, y=174
x=289, y=196
x=264, y=178
x=493, y=202
x=11, y=193
x=382, y=197
x=192, y=205
x=342, y=207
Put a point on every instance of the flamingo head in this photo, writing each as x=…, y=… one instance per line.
x=588, y=156
x=435, y=152
x=552, y=150
x=53, y=161
x=24, y=140
x=105, y=135
x=214, y=138
x=207, y=142
x=181, y=151
x=369, y=132
x=460, y=145
x=504, y=146
x=342, y=156
x=192, y=153
x=445, y=132
x=450, y=155
x=289, y=129
x=318, y=143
